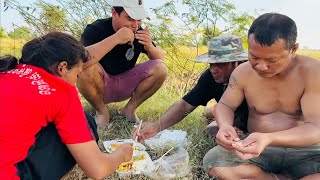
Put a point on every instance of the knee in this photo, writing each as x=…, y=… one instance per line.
x=160, y=71
x=90, y=72
x=214, y=172
x=208, y=160
x=89, y=77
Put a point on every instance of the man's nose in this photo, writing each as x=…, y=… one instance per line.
x=261, y=66
x=136, y=23
x=214, y=68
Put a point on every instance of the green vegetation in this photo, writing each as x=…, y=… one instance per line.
x=21, y=33
x=182, y=35
x=151, y=110
x=9, y=46
x=173, y=89
x=3, y=33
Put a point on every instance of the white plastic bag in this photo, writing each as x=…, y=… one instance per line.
x=168, y=167
x=168, y=138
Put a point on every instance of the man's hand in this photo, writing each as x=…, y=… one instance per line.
x=124, y=35
x=148, y=130
x=144, y=38
x=252, y=146
x=126, y=149
x=226, y=136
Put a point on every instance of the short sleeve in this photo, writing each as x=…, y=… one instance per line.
x=71, y=122
x=90, y=35
x=203, y=92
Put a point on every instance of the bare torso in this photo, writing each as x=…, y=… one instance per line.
x=274, y=103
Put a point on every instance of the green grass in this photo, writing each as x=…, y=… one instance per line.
x=173, y=89
x=150, y=111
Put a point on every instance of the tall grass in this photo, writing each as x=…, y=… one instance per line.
x=150, y=111
x=173, y=89
x=11, y=47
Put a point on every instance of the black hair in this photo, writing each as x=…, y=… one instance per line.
x=270, y=27
x=8, y=62
x=48, y=50
x=118, y=9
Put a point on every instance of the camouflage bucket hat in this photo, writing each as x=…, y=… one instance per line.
x=223, y=49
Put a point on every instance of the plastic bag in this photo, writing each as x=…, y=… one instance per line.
x=168, y=138
x=168, y=167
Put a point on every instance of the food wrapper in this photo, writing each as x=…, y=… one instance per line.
x=112, y=145
x=167, y=139
x=168, y=167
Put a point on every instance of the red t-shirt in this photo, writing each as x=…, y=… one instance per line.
x=30, y=97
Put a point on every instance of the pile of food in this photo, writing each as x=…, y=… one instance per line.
x=130, y=165
x=112, y=147
x=139, y=160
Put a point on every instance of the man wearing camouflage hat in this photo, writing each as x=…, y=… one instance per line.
x=225, y=54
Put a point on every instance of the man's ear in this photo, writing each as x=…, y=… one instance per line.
x=294, y=49
x=62, y=68
x=113, y=12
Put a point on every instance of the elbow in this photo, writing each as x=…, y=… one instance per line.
x=101, y=170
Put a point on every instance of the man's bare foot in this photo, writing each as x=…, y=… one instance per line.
x=131, y=116
x=102, y=119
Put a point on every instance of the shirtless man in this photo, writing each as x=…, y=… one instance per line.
x=282, y=90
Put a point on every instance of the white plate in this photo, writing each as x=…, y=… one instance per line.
x=137, y=146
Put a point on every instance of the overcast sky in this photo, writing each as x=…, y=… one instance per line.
x=304, y=13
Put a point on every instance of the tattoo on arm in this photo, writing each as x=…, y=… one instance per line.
x=233, y=82
x=226, y=105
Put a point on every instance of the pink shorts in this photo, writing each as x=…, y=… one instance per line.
x=121, y=87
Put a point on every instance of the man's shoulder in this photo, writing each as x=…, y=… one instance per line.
x=307, y=61
x=243, y=70
x=307, y=67
x=101, y=24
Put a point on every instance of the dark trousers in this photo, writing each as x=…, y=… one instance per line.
x=49, y=158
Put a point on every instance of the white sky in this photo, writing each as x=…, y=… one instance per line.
x=304, y=13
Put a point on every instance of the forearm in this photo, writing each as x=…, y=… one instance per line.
x=114, y=160
x=108, y=164
x=100, y=49
x=155, y=53
x=223, y=114
x=93, y=162
x=174, y=114
x=305, y=135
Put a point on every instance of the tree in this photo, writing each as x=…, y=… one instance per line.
x=52, y=17
x=61, y=15
x=203, y=20
x=3, y=33
x=42, y=17
x=21, y=33
x=180, y=33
